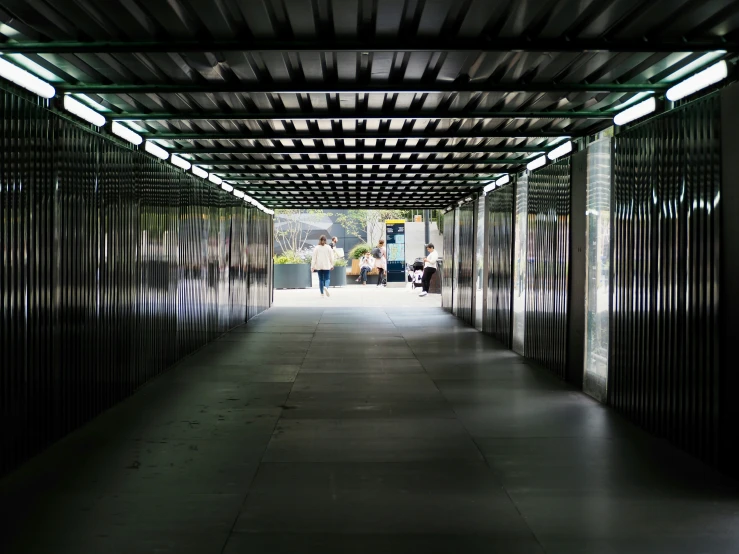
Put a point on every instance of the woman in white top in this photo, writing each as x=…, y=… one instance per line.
x=381, y=262
x=323, y=262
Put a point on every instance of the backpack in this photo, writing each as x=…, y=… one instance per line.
x=376, y=253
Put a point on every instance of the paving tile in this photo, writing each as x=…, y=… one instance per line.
x=457, y=498
x=342, y=543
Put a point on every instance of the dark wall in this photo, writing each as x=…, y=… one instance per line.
x=113, y=267
x=729, y=273
x=664, y=363
x=465, y=260
x=499, y=207
x=547, y=266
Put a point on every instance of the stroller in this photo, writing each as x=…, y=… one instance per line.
x=415, y=272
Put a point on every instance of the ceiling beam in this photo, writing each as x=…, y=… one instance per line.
x=273, y=174
x=215, y=163
x=278, y=150
x=361, y=184
x=228, y=169
x=343, y=114
x=321, y=200
x=364, y=88
x=358, y=206
x=431, y=44
x=355, y=135
x=421, y=191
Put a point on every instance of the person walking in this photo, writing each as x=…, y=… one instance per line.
x=380, y=255
x=322, y=263
x=365, y=266
x=429, y=268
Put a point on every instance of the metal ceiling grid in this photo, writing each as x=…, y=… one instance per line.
x=378, y=103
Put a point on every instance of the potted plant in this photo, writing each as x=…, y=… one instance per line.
x=356, y=253
x=338, y=277
x=292, y=271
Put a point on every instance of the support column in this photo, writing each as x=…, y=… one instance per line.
x=578, y=270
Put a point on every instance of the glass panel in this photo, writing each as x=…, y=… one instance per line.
x=519, y=264
x=597, y=255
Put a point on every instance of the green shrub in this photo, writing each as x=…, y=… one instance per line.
x=359, y=250
x=290, y=257
x=340, y=262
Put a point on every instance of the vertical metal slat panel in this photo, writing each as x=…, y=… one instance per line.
x=664, y=367
x=447, y=272
x=105, y=272
x=499, y=209
x=465, y=260
x=547, y=271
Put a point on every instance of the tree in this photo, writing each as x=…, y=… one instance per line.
x=292, y=227
x=373, y=221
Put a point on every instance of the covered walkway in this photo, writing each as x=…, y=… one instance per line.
x=333, y=429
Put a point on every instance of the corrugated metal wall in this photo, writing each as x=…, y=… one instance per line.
x=499, y=207
x=465, y=258
x=548, y=250
x=447, y=273
x=113, y=267
x=663, y=368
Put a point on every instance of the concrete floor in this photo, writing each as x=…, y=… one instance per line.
x=330, y=428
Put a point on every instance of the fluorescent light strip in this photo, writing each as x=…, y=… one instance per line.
x=490, y=186
x=155, y=150
x=24, y=79
x=695, y=65
x=227, y=187
x=97, y=106
x=714, y=74
x=238, y=193
x=125, y=133
x=537, y=163
x=83, y=112
x=32, y=67
x=633, y=100
x=215, y=179
x=504, y=180
x=560, y=151
x=200, y=172
x=179, y=162
x=635, y=112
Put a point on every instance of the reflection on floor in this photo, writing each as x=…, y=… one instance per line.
x=393, y=429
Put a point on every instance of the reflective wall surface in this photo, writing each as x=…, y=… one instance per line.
x=465, y=261
x=447, y=273
x=663, y=370
x=455, y=272
x=598, y=268
x=479, y=261
x=547, y=253
x=499, y=210
x=113, y=267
